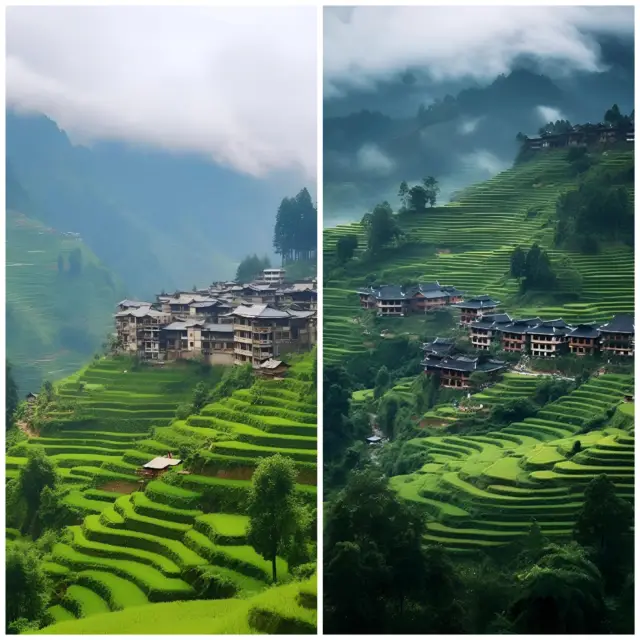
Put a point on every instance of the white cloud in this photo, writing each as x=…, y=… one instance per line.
x=468, y=126
x=483, y=162
x=371, y=158
x=549, y=114
x=236, y=84
x=369, y=44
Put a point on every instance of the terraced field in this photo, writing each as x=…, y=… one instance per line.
x=468, y=243
x=139, y=544
x=483, y=491
x=285, y=609
x=44, y=339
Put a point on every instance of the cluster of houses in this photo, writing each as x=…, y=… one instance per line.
x=583, y=135
x=455, y=369
x=550, y=338
x=227, y=323
x=394, y=300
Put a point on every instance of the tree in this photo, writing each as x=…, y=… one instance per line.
x=382, y=382
x=418, y=198
x=346, y=248
x=273, y=508
x=75, y=262
x=28, y=595
x=200, y=394
x=295, y=232
x=11, y=397
x=373, y=555
x=387, y=414
x=337, y=386
x=518, y=263
x=431, y=189
x=403, y=194
x=560, y=594
x=604, y=525
x=251, y=268
x=382, y=228
x=38, y=473
x=477, y=379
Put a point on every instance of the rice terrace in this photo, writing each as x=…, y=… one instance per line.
x=479, y=388
x=168, y=549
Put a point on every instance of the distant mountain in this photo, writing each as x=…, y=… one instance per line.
x=157, y=219
x=60, y=297
x=459, y=138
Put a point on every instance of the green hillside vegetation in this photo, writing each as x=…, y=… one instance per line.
x=59, y=301
x=468, y=244
x=284, y=609
x=182, y=536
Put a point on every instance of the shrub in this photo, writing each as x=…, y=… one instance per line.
x=209, y=583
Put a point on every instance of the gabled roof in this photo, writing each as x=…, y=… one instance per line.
x=217, y=327
x=492, y=321
x=550, y=328
x=584, y=331
x=519, y=326
x=478, y=302
x=205, y=304
x=183, y=326
x=260, y=311
x=272, y=364
x=439, y=346
x=133, y=304
x=141, y=312
x=620, y=323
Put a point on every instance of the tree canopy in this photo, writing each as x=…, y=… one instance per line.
x=11, y=396
x=295, y=234
x=251, y=268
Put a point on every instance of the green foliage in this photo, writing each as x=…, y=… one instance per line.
x=537, y=271
x=382, y=382
x=295, y=234
x=11, y=396
x=273, y=508
x=518, y=263
x=29, y=592
x=554, y=128
x=337, y=397
x=381, y=227
x=210, y=583
x=39, y=473
x=251, y=268
x=234, y=378
x=345, y=248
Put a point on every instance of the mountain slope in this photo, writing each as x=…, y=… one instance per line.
x=157, y=219
x=55, y=319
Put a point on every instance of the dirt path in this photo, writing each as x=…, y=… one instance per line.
x=26, y=429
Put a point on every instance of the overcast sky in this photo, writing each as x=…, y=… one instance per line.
x=366, y=44
x=236, y=84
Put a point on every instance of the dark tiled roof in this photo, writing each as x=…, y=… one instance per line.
x=479, y=302
x=547, y=329
x=584, y=331
x=492, y=321
x=520, y=326
x=621, y=323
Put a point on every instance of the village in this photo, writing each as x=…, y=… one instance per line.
x=227, y=323
x=490, y=330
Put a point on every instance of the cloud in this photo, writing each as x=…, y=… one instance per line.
x=370, y=158
x=549, y=114
x=484, y=163
x=468, y=126
x=236, y=84
x=370, y=44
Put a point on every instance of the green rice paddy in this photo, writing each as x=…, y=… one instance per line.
x=484, y=491
x=138, y=542
x=468, y=243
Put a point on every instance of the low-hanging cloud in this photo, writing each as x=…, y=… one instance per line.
x=370, y=158
x=549, y=114
x=370, y=44
x=235, y=84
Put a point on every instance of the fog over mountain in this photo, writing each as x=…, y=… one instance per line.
x=438, y=96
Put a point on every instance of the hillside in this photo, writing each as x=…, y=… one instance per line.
x=136, y=545
x=482, y=491
x=461, y=132
x=55, y=320
x=286, y=609
x=142, y=210
x=467, y=243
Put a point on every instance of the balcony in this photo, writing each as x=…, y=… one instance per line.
x=242, y=339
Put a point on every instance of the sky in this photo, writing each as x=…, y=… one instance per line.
x=364, y=45
x=235, y=84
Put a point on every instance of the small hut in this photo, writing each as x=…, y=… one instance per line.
x=374, y=440
x=156, y=467
x=272, y=368
x=31, y=397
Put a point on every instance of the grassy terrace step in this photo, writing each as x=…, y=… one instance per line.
x=144, y=524
x=256, y=451
x=79, y=500
x=241, y=558
x=57, y=613
x=154, y=584
x=144, y=506
x=223, y=528
x=117, y=592
x=179, y=497
x=95, y=530
x=93, y=548
x=84, y=602
x=275, y=611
